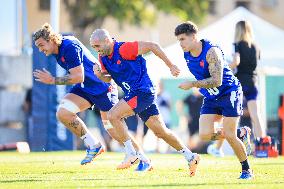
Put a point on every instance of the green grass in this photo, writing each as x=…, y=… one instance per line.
x=63, y=170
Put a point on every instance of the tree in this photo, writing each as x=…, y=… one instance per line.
x=86, y=13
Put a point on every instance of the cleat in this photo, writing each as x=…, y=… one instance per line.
x=144, y=166
x=193, y=163
x=91, y=154
x=246, y=139
x=128, y=161
x=246, y=175
x=212, y=150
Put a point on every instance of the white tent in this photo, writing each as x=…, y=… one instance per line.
x=269, y=38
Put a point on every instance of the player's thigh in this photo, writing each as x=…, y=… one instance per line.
x=230, y=125
x=79, y=101
x=103, y=115
x=206, y=123
x=156, y=124
x=120, y=110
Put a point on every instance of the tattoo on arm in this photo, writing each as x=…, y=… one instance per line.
x=83, y=132
x=216, y=136
x=65, y=80
x=74, y=124
x=214, y=59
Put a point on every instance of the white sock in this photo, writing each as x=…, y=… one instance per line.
x=90, y=141
x=186, y=153
x=143, y=157
x=129, y=149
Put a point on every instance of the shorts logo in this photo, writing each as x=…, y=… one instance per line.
x=63, y=59
x=118, y=62
x=201, y=63
x=132, y=102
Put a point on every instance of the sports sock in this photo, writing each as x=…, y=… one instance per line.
x=143, y=157
x=245, y=165
x=186, y=153
x=90, y=141
x=129, y=149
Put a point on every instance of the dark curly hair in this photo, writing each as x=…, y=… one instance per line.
x=186, y=28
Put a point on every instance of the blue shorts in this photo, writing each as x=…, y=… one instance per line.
x=104, y=101
x=250, y=92
x=143, y=104
x=229, y=105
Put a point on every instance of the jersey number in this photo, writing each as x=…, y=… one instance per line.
x=213, y=91
x=126, y=86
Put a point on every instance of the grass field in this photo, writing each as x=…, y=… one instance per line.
x=63, y=170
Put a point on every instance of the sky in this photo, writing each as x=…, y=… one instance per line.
x=8, y=23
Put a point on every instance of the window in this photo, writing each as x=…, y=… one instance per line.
x=44, y=5
x=245, y=4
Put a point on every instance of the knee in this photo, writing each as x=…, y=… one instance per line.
x=63, y=115
x=230, y=136
x=112, y=116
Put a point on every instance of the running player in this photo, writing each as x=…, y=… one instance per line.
x=87, y=91
x=221, y=89
x=123, y=62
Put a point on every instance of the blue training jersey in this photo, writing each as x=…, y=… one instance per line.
x=73, y=53
x=198, y=66
x=128, y=73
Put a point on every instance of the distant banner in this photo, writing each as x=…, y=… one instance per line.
x=47, y=133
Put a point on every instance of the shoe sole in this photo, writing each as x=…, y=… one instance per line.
x=100, y=152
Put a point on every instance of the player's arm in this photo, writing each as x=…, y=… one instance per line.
x=130, y=50
x=102, y=75
x=215, y=62
x=76, y=75
x=236, y=61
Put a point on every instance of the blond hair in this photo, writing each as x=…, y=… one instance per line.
x=243, y=32
x=48, y=34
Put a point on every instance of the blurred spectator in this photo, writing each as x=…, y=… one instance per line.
x=245, y=60
x=245, y=118
x=193, y=102
x=27, y=108
x=164, y=104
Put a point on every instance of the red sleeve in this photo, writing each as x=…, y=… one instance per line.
x=129, y=50
x=102, y=65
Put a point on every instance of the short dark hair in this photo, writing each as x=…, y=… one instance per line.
x=186, y=28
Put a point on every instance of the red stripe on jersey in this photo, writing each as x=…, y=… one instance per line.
x=129, y=50
x=102, y=65
x=132, y=102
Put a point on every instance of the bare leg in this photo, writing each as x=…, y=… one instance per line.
x=156, y=124
x=259, y=130
x=113, y=133
x=230, y=132
x=116, y=115
x=70, y=119
x=206, y=127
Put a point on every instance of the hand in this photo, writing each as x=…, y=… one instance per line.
x=97, y=70
x=44, y=76
x=185, y=85
x=174, y=70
